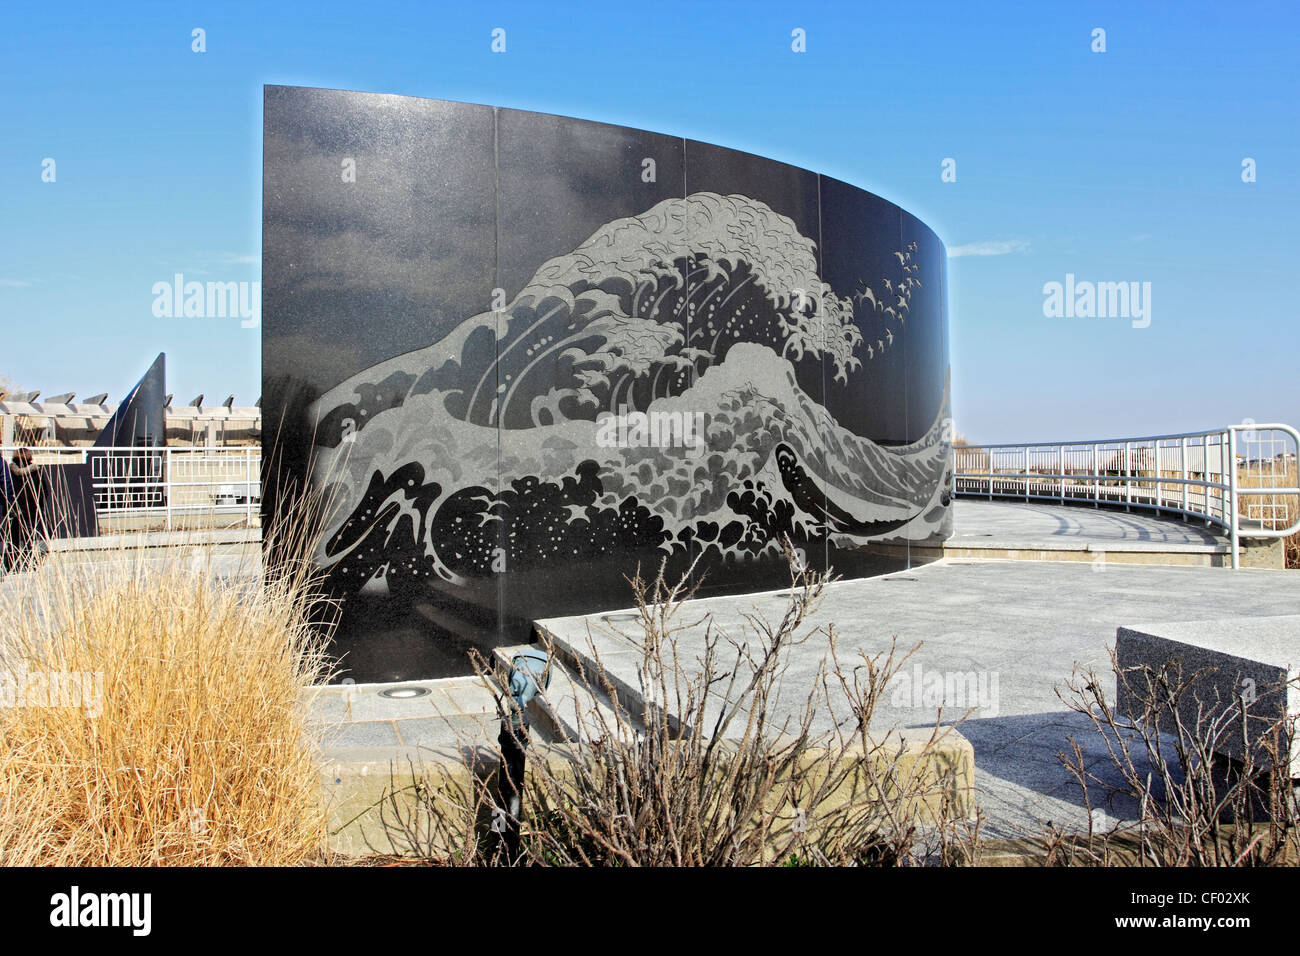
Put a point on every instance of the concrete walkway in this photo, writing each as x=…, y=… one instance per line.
x=1014, y=524
x=1039, y=531
x=354, y=722
x=1019, y=627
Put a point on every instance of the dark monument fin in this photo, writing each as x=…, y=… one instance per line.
x=140, y=420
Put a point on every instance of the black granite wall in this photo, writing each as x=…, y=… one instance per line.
x=525, y=354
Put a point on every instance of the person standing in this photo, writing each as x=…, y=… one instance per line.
x=6, y=503
x=22, y=511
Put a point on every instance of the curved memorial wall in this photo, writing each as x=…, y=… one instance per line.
x=524, y=355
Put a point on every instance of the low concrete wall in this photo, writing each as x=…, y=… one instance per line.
x=1253, y=661
x=239, y=542
x=1255, y=553
x=379, y=800
x=195, y=521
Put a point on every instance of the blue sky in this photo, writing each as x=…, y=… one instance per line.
x=1122, y=166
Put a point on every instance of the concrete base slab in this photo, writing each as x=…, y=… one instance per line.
x=995, y=638
x=378, y=751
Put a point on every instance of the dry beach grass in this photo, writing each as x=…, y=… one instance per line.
x=151, y=715
x=1279, y=510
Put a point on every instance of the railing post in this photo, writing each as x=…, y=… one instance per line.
x=1205, y=447
x=167, y=484
x=1025, y=471
x=1096, y=475
x=1128, y=476
x=1155, y=451
x=1184, y=475
x=1232, y=498
x=248, y=487
x=1227, y=466
x=1060, y=469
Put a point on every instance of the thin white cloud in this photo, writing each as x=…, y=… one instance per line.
x=209, y=257
x=14, y=283
x=989, y=247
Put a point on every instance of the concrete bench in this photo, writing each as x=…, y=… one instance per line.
x=1255, y=658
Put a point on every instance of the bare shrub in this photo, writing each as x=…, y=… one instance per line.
x=697, y=769
x=1194, y=806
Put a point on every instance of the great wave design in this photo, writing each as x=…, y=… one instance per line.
x=493, y=449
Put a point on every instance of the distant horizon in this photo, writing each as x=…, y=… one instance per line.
x=1120, y=224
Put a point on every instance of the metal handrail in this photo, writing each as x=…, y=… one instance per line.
x=1204, y=477
x=164, y=482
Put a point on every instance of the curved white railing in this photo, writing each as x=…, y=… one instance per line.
x=1242, y=478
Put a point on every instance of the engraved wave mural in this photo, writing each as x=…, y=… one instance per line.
x=638, y=393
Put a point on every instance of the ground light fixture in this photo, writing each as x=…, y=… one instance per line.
x=403, y=693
